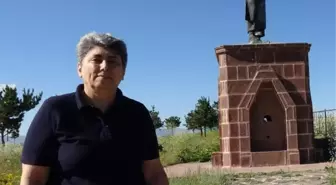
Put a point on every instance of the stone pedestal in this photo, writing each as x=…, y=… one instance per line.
x=265, y=106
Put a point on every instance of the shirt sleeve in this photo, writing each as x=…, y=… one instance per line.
x=151, y=146
x=40, y=145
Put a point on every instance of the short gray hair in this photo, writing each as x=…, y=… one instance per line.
x=106, y=40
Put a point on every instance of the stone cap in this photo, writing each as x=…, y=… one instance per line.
x=224, y=48
x=276, y=47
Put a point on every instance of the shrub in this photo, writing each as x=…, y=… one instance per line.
x=10, y=166
x=186, y=148
x=331, y=144
x=10, y=159
x=9, y=179
x=332, y=148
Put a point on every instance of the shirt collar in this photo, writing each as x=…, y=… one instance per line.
x=82, y=103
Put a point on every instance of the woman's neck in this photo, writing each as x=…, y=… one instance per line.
x=101, y=100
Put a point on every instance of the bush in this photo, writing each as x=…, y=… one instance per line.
x=186, y=148
x=10, y=159
x=9, y=179
x=332, y=148
x=10, y=166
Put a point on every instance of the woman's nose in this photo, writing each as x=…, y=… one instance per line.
x=104, y=65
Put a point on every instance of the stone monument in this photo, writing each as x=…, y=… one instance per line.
x=265, y=105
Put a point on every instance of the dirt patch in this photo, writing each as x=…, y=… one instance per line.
x=312, y=174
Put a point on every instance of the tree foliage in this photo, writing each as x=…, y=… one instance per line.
x=205, y=115
x=190, y=121
x=158, y=123
x=172, y=122
x=13, y=108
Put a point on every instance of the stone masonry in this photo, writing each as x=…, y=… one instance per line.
x=265, y=106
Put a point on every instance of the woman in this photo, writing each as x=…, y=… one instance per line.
x=95, y=135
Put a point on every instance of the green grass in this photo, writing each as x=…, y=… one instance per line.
x=205, y=179
x=331, y=175
x=217, y=178
x=10, y=166
x=186, y=148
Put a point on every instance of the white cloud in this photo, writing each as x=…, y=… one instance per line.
x=4, y=85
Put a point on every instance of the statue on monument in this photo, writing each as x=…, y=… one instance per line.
x=255, y=15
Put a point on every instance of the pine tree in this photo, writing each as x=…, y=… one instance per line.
x=13, y=109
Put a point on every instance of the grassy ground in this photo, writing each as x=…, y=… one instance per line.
x=280, y=177
x=193, y=148
x=181, y=149
x=331, y=175
x=10, y=167
x=222, y=179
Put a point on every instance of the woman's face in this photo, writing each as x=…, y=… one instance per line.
x=101, y=69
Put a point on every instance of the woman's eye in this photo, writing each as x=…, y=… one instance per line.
x=113, y=62
x=97, y=60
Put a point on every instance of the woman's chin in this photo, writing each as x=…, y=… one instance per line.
x=105, y=84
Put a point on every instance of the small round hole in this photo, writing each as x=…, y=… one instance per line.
x=267, y=118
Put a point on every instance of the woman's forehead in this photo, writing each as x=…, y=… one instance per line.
x=103, y=52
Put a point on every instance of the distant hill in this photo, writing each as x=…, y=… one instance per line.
x=159, y=133
x=166, y=132
x=18, y=140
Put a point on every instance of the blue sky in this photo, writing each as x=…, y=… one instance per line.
x=171, y=45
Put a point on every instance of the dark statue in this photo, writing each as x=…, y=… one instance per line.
x=255, y=15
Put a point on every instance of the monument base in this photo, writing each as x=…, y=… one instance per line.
x=255, y=159
x=265, y=107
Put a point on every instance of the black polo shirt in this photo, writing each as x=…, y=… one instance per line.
x=84, y=146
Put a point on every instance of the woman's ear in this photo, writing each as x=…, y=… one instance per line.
x=79, y=69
